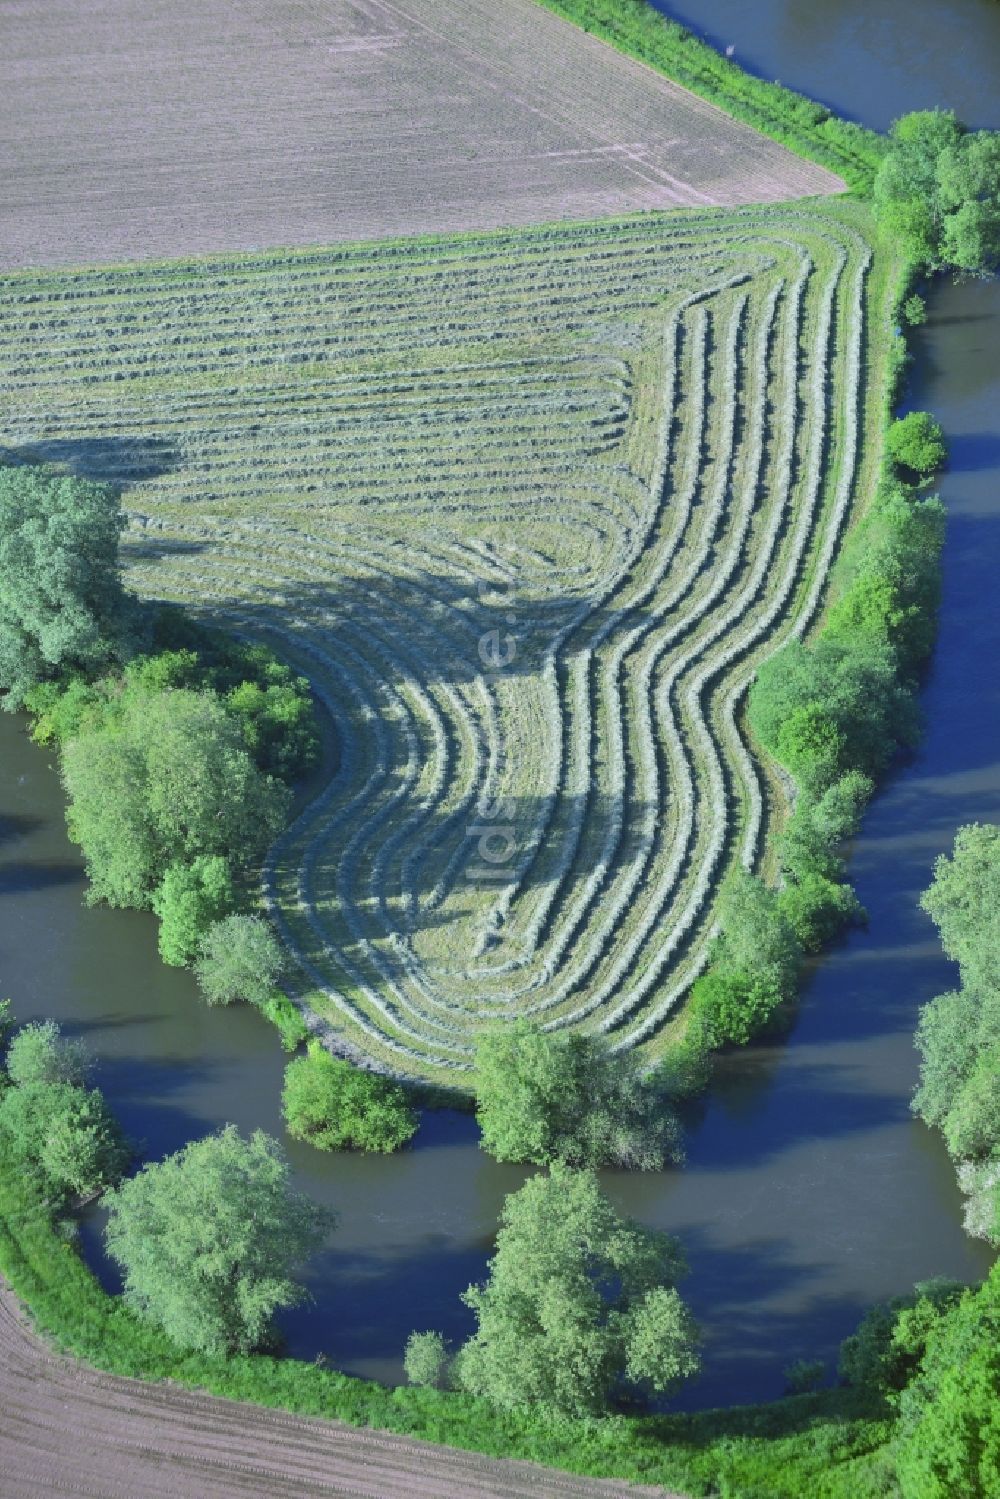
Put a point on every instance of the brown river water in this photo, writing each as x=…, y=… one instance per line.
x=809, y=1190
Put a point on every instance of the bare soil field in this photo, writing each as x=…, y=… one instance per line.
x=67, y=1429
x=139, y=128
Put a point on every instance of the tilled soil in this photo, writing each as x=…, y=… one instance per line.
x=137, y=128
x=68, y=1429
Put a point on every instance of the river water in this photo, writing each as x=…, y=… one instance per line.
x=809, y=1190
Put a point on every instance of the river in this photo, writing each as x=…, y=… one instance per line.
x=809, y=1190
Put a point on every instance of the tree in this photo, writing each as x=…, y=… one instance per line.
x=336, y=1106
x=949, y=1430
x=964, y=903
x=937, y=192
x=426, y=1359
x=64, y=1133
x=543, y=1097
x=190, y=898
x=832, y=707
x=952, y=1032
x=62, y=606
x=169, y=782
x=756, y=963
x=579, y=1301
x=905, y=191
x=980, y=1181
x=916, y=441
x=240, y=958
x=209, y=1241
x=971, y=1127
x=40, y=1053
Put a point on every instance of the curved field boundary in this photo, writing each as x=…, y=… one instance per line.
x=529, y=509
x=133, y=130
x=69, y=1429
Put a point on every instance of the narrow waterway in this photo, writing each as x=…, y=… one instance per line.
x=809, y=1190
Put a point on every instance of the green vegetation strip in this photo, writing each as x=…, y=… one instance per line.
x=824, y=1447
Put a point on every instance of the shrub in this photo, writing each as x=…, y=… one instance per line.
x=287, y=1017
x=544, y=1097
x=885, y=1351
x=240, y=958
x=915, y=310
x=40, y=1053
x=336, y=1106
x=804, y=1374
x=971, y=1126
x=916, y=441
x=426, y=1360
x=190, y=898
x=817, y=909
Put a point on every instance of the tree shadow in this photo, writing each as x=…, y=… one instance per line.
x=118, y=460
x=973, y=452
x=18, y=879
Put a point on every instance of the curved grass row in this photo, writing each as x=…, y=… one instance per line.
x=529, y=509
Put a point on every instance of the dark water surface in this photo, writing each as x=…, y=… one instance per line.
x=870, y=60
x=809, y=1190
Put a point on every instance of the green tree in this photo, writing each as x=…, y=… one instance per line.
x=578, y=1303
x=952, y=1032
x=240, y=958
x=916, y=441
x=62, y=607
x=832, y=707
x=937, y=192
x=210, y=1240
x=949, y=1432
x=64, y=1133
x=542, y=1096
x=906, y=190
x=336, y=1106
x=964, y=903
x=426, y=1360
x=755, y=963
x=189, y=899
x=971, y=1127
x=884, y=1352
x=40, y=1053
x=171, y=781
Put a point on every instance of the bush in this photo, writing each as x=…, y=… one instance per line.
x=916, y=441
x=426, y=1360
x=971, y=1126
x=281, y=1012
x=885, y=1351
x=240, y=958
x=755, y=964
x=40, y=1053
x=980, y=1181
x=336, y=1106
x=818, y=909
x=804, y=1374
x=543, y=1097
x=189, y=900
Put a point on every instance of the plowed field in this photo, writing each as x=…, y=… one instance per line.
x=137, y=128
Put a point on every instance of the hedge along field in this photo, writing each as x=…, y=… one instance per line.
x=529, y=508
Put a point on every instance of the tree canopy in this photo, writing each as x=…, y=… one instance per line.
x=210, y=1240
x=171, y=781
x=62, y=606
x=937, y=192
x=579, y=1304
x=544, y=1097
x=239, y=958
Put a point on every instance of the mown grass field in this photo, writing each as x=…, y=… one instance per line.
x=529, y=508
x=136, y=129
